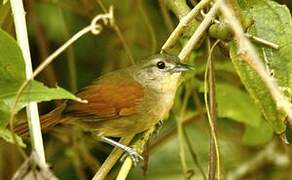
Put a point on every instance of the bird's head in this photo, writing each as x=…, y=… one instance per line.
x=160, y=72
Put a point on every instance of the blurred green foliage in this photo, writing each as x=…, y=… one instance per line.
x=247, y=119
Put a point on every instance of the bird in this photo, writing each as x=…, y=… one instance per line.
x=123, y=102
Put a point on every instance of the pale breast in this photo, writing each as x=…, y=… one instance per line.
x=157, y=106
x=165, y=103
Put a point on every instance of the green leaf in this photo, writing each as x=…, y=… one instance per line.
x=7, y=136
x=271, y=22
x=34, y=92
x=11, y=61
x=4, y=114
x=260, y=93
x=12, y=75
x=257, y=135
x=237, y=105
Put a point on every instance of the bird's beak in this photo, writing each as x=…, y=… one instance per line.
x=182, y=68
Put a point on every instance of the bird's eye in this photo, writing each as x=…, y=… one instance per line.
x=160, y=65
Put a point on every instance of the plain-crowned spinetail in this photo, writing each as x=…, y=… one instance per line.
x=123, y=102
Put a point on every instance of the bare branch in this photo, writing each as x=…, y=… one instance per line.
x=187, y=49
x=184, y=22
x=32, y=109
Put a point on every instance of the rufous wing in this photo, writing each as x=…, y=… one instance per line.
x=48, y=120
x=107, y=99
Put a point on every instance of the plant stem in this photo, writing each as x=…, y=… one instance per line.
x=139, y=147
x=187, y=49
x=32, y=109
x=111, y=160
x=214, y=156
x=213, y=114
x=262, y=41
x=183, y=23
x=179, y=7
x=124, y=171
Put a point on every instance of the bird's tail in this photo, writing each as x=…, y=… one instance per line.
x=47, y=121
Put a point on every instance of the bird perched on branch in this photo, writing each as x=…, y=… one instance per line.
x=123, y=102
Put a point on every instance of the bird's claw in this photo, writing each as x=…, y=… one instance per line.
x=136, y=157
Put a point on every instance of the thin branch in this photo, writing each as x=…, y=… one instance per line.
x=184, y=22
x=214, y=164
x=125, y=169
x=32, y=109
x=179, y=7
x=248, y=53
x=187, y=49
x=262, y=41
x=213, y=114
x=111, y=160
x=139, y=147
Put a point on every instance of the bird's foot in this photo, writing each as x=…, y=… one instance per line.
x=136, y=157
x=133, y=154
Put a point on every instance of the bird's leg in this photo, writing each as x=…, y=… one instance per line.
x=136, y=157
